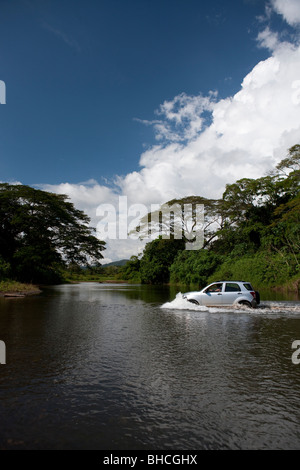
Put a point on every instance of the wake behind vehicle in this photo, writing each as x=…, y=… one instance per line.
x=225, y=293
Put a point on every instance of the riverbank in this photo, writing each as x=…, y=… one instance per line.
x=291, y=286
x=17, y=289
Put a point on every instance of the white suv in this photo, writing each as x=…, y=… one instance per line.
x=225, y=293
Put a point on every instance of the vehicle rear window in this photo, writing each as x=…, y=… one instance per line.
x=248, y=286
x=232, y=287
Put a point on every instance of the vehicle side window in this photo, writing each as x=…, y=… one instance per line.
x=214, y=288
x=232, y=287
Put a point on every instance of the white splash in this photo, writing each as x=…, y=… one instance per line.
x=182, y=304
x=265, y=308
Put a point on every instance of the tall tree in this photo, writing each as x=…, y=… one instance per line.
x=157, y=258
x=41, y=230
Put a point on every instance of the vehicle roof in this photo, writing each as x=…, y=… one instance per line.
x=233, y=280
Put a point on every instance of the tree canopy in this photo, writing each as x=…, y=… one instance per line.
x=157, y=258
x=42, y=231
x=252, y=231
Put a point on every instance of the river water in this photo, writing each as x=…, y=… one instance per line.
x=105, y=366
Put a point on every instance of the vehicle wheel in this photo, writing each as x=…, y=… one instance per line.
x=257, y=296
x=247, y=304
x=193, y=301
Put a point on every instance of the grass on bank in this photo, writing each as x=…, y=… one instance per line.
x=9, y=287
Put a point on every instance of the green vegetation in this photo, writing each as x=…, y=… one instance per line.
x=7, y=287
x=92, y=273
x=194, y=267
x=252, y=233
x=131, y=270
x=157, y=259
x=41, y=234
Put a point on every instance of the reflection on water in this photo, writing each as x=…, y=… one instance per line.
x=96, y=366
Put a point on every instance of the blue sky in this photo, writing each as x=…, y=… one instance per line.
x=78, y=75
x=149, y=99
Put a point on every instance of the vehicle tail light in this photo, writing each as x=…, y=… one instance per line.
x=253, y=294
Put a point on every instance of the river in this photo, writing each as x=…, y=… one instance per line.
x=116, y=366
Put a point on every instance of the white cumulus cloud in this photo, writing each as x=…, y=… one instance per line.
x=289, y=9
x=247, y=135
x=268, y=39
x=204, y=142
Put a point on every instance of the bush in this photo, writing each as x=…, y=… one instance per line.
x=4, y=269
x=194, y=267
x=157, y=259
x=263, y=269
